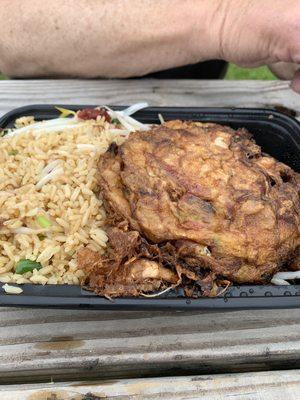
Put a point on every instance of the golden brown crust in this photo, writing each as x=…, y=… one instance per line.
x=209, y=185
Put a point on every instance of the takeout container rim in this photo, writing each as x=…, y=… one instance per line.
x=237, y=297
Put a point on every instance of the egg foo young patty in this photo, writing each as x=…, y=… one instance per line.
x=49, y=201
x=196, y=205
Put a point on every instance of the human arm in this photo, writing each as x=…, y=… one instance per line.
x=108, y=38
x=125, y=38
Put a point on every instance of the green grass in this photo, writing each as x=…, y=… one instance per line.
x=2, y=76
x=235, y=72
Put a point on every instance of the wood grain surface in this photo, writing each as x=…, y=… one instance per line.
x=64, y=344
x=203, y=93
x=275, y=385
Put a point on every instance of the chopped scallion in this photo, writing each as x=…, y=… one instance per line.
x=13, y=152
x=43, y=221
x=3, y=132
x=24, y=266
x=41, y=237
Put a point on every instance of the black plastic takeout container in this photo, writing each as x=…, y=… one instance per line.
x=276, y=133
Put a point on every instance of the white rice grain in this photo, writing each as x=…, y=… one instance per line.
x=53, y=173
x=12, y=289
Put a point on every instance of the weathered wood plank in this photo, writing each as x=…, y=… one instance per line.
x=157, y=92
x=275, y=385
x=40, y=344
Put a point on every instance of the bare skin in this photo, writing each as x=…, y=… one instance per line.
x=126, y=38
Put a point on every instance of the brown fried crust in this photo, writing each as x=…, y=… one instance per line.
x=191, y=185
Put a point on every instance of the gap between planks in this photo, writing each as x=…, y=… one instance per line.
x=38, y=344
x=272, y=385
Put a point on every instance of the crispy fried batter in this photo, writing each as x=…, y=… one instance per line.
x=124, y=271
x=206, y=198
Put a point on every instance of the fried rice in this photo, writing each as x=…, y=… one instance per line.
x=51, y=177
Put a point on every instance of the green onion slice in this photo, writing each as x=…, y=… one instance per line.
x=24, y=266
x=3, y=132
x=13, y=152
x=43, y=221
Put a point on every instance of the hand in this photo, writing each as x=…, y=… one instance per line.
x=255, y=32
x=287, y=71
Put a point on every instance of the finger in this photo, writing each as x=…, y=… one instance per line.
x=295, y=84
x=284, y=70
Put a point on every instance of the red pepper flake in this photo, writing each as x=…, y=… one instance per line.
x=93, y=113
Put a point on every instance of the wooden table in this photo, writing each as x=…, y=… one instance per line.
x=55, y=354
